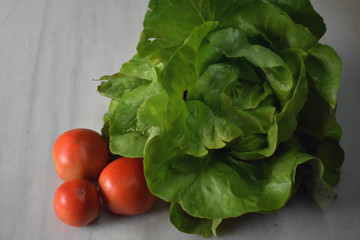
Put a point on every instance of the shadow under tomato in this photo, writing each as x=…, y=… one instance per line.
x=107, y=217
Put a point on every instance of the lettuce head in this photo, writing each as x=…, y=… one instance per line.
x=231, y=104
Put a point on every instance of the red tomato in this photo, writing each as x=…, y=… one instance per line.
x=123, y=187
x=77, y=202
x=80, y=153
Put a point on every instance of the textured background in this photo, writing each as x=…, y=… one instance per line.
x=50, y=52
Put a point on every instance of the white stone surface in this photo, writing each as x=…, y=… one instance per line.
x=50, y=52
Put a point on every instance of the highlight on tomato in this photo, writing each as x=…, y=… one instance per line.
x=80, y=153
x=123, y=187
x=77, y=202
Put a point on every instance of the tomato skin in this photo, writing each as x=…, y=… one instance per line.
x=80, y=153
x=123, y=187
x=77, y=202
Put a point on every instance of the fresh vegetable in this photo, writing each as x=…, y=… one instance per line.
x=123, y=187
x=80, y=153
x=232, y=106
x=77, y=202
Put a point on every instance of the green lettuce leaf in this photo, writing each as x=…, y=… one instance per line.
x=189, y=224
x=324, y=67
x=265, y=24
x=125, y=137
x=234, y=44
x=168, y=23
x=302, y=12
x=181, y=69
x=289, y=163
x=217, y=185
x=119, y=85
